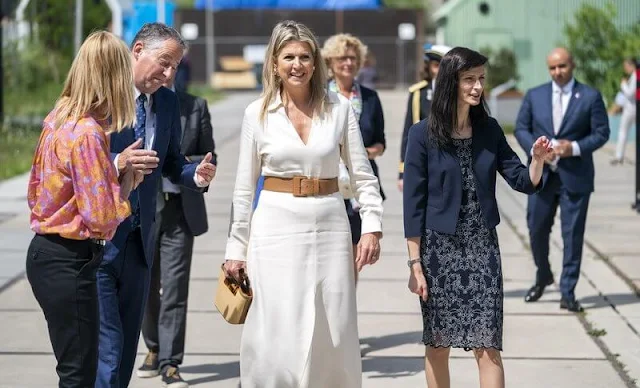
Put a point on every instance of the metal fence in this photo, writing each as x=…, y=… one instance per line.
x=232, y=33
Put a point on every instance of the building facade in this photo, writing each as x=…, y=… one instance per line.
x=529, y=28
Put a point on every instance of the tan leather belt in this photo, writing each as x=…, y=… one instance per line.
x=301, y=186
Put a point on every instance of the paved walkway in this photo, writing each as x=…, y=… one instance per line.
x=544, y=346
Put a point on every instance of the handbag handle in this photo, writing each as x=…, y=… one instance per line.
x=233, y=284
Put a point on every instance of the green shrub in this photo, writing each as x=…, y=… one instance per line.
x=17, y=144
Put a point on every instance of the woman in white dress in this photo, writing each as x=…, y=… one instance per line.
x=301, y=330
x=628, y=118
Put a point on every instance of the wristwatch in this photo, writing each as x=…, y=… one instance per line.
x=411, y=262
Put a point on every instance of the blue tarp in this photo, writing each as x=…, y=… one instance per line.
x=144, y=12
x=289, y=4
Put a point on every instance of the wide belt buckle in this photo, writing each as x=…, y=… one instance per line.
x=304, y=187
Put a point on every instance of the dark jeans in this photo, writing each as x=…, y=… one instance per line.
x=62, y=274
x=123, y=283
x=165, y=319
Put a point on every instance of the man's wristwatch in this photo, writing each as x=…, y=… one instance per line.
x=411, y=262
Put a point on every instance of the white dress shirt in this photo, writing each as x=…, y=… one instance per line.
x=566, y=91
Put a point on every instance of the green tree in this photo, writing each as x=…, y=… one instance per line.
x=502, y=67
x=598, y=51
x=55, y=21
x=35, y=69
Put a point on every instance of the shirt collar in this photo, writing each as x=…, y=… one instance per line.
x=148, y=96
x=565, y=89
x=276, y=103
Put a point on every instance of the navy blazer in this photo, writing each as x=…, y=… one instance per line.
x=585, y=122
x=197, y=140
x=432, y=193
x=172, y=164
x=372, y=123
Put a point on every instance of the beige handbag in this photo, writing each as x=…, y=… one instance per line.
x=232, y=299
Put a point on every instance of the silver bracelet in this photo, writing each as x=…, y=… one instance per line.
x=411, y=262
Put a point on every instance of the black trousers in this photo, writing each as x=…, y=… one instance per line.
x=165, y=318
x=62, y=274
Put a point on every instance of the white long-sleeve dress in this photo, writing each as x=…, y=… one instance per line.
x=301, y=330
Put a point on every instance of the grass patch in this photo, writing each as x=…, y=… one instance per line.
x=17, y=144
x=205, y=91
x=597, y=332
x=23, y=104
x=24, y=111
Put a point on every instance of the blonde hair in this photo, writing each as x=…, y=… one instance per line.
x=283, y=33
x=337, y=45
x=100, y=83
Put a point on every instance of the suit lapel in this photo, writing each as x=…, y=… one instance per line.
x=159, y=110
x=575, y=95
x=548, y=105
x=184, y=115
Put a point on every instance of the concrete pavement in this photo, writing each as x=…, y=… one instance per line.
x=544, y=346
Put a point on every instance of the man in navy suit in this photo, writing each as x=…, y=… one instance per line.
x=574, y=116
x=152, y=148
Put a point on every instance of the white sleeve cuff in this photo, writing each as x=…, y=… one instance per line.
x=197, y=182
x=575, y=148
x=235, y=251
x=371, y=224
x=115, y=162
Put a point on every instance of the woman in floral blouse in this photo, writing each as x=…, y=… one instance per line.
x=77, y=202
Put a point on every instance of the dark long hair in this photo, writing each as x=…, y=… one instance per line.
x=443, y=117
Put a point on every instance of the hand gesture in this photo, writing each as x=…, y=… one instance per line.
x=418, y=283
x=542, y=149
x=563, y=149
x=368, y=250
x=139, y=159
x=127, y=181
x=205, y=170
x=138, y=177
x=375, y=150
x=235, y=269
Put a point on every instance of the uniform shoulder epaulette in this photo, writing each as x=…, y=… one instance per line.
x=418, y=86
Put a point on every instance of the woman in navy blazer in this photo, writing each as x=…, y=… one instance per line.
x=345, y=55
x=450, y=215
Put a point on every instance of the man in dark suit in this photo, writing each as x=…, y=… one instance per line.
x=574, y=116
x=181, y=215
x=123, y=275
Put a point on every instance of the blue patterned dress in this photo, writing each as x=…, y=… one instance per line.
x=464, y=276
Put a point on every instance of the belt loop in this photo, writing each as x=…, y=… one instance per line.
x=297, y=186
x=166, y=196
